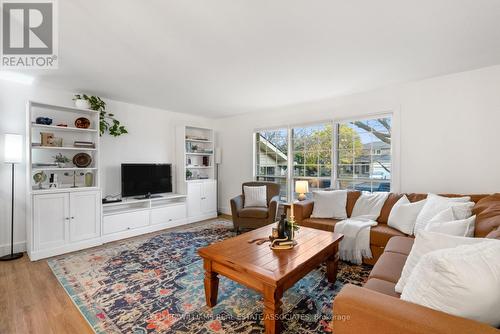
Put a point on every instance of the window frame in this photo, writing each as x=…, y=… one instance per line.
x=335, y=122
x=394, y=184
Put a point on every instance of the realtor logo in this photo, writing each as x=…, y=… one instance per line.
x=29, y=34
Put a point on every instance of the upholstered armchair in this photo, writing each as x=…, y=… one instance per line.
x=254, y=217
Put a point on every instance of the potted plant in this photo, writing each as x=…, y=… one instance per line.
x=80, y=102
x=61, y=160
x=107, y=121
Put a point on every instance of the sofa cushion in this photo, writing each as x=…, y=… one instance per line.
x=320, y=223
x=487, y=211
x=385, y=287
x=389, y=267
x=352, y=197
x=463, y=281
x=386, y=209
x=253, y=212
x=400, y=245
x=381, y=234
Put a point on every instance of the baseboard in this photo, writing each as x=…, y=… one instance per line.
x=19, y=246
x=225, y=210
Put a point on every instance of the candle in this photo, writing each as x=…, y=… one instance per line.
x=291, y=212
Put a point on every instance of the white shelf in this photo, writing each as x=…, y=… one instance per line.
x=64, y=148
x=131, y=200
x=61, y=128
x=198, y=141
x=39, y=169
x=197, y=153
x=62, y=189
x=65, y=108
x=199, y=167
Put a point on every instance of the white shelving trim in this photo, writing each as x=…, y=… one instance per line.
x=64, y=148
x=65, y=169
x=61, y=128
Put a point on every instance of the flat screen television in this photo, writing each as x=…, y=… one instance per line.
x=146, y=179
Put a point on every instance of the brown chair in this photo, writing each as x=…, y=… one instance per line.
x=254, y=217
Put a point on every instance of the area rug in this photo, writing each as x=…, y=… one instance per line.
x=154, y=284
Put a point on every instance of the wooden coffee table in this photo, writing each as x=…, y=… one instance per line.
x=267, y=271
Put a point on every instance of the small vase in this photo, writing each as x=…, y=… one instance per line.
x=89, y=179
x=82, y=104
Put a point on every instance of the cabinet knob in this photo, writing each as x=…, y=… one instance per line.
x=72, y=217
x=67, y=218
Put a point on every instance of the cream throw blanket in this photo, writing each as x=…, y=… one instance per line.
x=356, y=242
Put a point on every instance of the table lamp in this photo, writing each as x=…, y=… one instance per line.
x=302, y=187
x=13, y=154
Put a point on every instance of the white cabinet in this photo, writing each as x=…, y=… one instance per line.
x=64, y=222
x=201, y=200
x=85, y=212
x=194, y=192
x=51, y=220
x=208, y=197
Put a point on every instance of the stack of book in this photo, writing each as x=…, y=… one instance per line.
x=83, y=144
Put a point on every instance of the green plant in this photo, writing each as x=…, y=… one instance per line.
x=59, y=158
x=107, y=121
x=188, y=174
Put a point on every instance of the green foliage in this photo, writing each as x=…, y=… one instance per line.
x=108, y=122
x=59, y=158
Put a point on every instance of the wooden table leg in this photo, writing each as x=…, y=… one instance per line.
x=211, y=284
x=332, y=264
x=272, y=309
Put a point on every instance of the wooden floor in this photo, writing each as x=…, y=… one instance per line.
x=33, y=302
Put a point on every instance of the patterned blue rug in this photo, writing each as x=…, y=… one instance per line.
x=154, y=284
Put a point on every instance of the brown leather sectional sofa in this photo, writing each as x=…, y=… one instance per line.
x=380, y=234
x=376, y=307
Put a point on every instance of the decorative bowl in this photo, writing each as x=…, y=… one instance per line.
x=82, y=160
x=82, y=123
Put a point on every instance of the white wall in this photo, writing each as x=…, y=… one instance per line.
x=446, y=133
x=150, y=139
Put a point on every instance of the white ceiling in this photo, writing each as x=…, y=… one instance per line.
x=223, y=57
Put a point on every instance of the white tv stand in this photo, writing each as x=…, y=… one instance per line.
x=132, y=217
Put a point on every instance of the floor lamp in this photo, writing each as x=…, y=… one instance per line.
x=218, y=161
x=13, y=155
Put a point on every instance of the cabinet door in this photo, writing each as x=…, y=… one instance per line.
x=194, y=199
x=85, y=215
x=51, y=220
x=209, y=197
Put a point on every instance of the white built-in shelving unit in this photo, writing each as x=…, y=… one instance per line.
x=66, y=215
x=196, y=171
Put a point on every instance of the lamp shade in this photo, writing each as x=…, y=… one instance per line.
x=301, y=187
x=13, y=152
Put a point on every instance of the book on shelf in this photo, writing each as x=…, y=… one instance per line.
x=86, y=144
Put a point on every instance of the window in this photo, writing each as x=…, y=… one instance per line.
x=271, y=161
x=364, y=158
x=312, y=155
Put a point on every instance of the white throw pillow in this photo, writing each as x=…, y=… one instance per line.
x=330, y=204
x=255, y=196
x=434, y=205
x=459, y=228
x=463, y=281
x=404, y=214
x=426, y=242
x=368, y=206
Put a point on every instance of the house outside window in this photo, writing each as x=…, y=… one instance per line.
x=359, y=158
x=312, y=148
x=271, y=158
x=364, y=155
